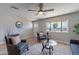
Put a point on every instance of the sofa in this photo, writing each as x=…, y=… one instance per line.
x=74, y=45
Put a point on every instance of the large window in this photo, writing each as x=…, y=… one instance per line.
x=58, y=26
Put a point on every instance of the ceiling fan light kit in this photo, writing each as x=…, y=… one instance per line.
x=40, y=13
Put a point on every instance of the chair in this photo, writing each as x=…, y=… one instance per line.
x=41, y=37
x=16, y=49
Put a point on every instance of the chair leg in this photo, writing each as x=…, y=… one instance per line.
x=27, y=48
x=42, y=48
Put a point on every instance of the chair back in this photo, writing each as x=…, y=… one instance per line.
x=8, y=40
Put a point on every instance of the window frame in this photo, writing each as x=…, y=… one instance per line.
x=61, y=31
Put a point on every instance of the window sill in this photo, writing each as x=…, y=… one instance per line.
x=58, y=32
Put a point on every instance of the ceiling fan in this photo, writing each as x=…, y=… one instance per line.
x=41, y=11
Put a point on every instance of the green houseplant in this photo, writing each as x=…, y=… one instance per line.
x=76, y=28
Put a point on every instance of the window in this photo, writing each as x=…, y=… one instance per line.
x=58, y=26
x=35, y=25
x=65, y=26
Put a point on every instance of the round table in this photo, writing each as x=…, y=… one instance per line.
x=48, y=44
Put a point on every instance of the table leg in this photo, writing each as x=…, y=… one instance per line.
x=49, y=51
x=52, y=48
x=42, y=48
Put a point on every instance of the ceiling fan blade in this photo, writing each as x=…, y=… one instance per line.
x=14, y=7
x=32, y=10
x=48, y=10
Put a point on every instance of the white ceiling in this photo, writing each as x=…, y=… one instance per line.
x=60, y=9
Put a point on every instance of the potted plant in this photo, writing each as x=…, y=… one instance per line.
x=76, y=28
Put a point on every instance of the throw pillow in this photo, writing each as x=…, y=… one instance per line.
x=16, y=40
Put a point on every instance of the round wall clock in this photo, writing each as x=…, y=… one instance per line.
x=19, y=24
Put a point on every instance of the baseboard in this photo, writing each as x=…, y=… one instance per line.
x=2, y=43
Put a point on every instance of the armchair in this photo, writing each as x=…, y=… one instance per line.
x=16, y=49
x=41, y=36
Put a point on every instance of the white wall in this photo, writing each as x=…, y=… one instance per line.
x=65, y=37
x=7, y=25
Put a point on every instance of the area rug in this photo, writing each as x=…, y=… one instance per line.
x=59, y=49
